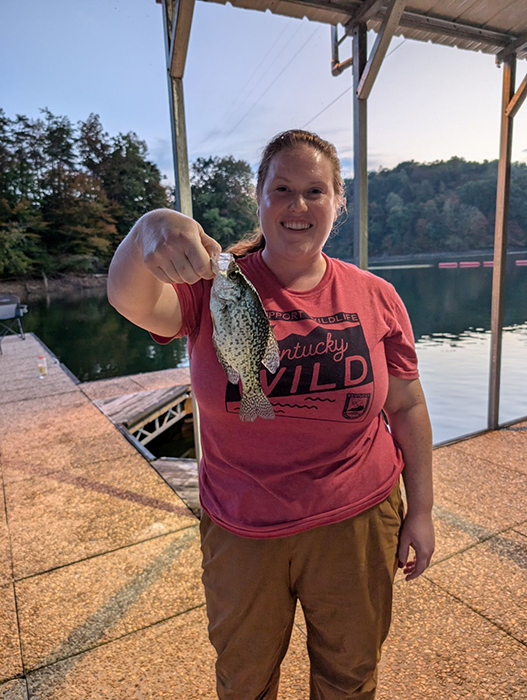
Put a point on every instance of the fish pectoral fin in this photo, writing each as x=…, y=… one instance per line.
x=271, y=358
x=232, y=374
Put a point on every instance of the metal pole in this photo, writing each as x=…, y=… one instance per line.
x=183, y=196
x=500, y=241
x=360, y=151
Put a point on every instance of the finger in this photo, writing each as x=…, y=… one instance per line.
x=185, y=269
x=402, y=554
x=419, y=567
x=211, y=246
x=162, y=276
x=199, y=259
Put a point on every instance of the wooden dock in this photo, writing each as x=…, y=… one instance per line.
x=155, y=395
x=146, y=414
x=100, y=561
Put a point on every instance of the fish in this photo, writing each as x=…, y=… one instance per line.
x=242, y=337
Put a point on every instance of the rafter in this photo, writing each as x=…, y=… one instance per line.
x=517, y=100
x=389, y=25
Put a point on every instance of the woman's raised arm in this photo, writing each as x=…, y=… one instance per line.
x=163, y=247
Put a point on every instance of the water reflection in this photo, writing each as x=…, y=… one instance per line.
x=447, y=302
x=450, y=314
x=94, y=341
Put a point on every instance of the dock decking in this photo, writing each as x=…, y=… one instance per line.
x=100, y=578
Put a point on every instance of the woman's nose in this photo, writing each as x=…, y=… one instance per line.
x=298, y=203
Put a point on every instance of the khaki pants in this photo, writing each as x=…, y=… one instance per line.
x=343, y=576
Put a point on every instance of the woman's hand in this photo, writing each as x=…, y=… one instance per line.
x=175, y=248
x=418, y=531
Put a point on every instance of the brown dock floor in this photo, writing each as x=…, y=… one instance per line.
x=100, y=579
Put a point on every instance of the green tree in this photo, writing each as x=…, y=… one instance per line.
x=223, y=198
x=435, y=207
x=93, y=144
x=132, y=183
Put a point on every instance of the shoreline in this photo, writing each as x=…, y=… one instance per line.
x=40, y=287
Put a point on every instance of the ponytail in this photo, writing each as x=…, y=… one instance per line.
x=250, y=244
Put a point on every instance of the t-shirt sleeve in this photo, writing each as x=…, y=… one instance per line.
x=190, y=298
x=399, y=341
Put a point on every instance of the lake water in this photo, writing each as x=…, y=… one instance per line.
x=450, y=313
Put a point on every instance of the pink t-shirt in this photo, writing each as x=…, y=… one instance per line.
x=328, y=454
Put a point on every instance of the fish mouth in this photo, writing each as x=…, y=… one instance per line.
x=220, y=262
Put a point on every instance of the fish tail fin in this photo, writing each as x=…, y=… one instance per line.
x=255, y=403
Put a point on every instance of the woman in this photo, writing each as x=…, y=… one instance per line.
x=307, y=506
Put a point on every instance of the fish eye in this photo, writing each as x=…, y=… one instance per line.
x=232, y=275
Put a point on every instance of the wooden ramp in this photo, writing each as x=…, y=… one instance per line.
x=146, y=414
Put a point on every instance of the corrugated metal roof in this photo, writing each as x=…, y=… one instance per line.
x=474, y=25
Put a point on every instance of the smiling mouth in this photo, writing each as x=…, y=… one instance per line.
x=296, y=225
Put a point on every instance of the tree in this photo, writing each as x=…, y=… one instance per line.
x=435, y=207
x=93, y=144
x=132, y=183
x=223, y=198
x=69, y=194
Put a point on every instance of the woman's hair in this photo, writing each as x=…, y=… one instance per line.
x=289, y=139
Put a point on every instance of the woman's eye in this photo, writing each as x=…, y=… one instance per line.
x=281, y=188
x=316, y=190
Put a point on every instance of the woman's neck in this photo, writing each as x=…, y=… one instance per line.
x=301, y=275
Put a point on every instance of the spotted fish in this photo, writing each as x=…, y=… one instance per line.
x=242, y=337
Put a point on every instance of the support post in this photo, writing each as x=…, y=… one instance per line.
x=360, y=151
x=500, y=241
x=183, y=196
x=177, y=20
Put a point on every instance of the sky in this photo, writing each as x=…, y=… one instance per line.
x=249, y=75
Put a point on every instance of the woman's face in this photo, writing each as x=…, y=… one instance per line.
x=298, y=205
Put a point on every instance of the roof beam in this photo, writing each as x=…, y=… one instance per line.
x=368, y=10
x=414, y=20
x=410, y=19
x=513, y=47
x=389, y=25
x=454, y=29
x=517, y=100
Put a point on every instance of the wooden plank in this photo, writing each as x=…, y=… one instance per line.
x=126, y=408
x=182, y=476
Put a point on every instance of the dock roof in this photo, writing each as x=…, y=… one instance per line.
x=489, y=26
